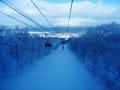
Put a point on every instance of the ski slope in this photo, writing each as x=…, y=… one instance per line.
x=60, y=70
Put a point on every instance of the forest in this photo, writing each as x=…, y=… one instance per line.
x=19, y=49
x=99, y=49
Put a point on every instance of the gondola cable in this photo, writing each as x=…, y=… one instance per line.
x=70, y=12
x=17, y=20
x=46, y=19
x=68, y=25
x=22, y=13
x=47, y=42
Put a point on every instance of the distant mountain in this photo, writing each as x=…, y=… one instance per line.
x=62, y=29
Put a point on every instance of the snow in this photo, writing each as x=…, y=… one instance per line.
x=58, y=35
x=99, y=49
x=60, y=70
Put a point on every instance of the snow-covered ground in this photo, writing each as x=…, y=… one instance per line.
x=60, y=70
x=58, y=35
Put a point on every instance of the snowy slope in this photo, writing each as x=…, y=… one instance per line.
x=61, y=70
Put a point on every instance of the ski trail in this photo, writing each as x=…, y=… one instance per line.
x=58, y=71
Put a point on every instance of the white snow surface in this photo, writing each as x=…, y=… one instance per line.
x=58, y=35
x=60, y=70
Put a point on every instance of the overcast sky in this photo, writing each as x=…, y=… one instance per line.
x=84, y=13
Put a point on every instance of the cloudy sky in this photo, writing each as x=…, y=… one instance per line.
x=84, y=12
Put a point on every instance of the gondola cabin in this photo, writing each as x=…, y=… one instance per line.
x=48, y=45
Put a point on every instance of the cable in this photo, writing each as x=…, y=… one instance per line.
x=22, y=13
x=17, y=19
x=41, y=13
x=69, y=15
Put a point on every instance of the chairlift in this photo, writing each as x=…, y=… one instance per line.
x=48, y=44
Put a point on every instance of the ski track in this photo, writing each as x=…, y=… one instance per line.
x=60, y=70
